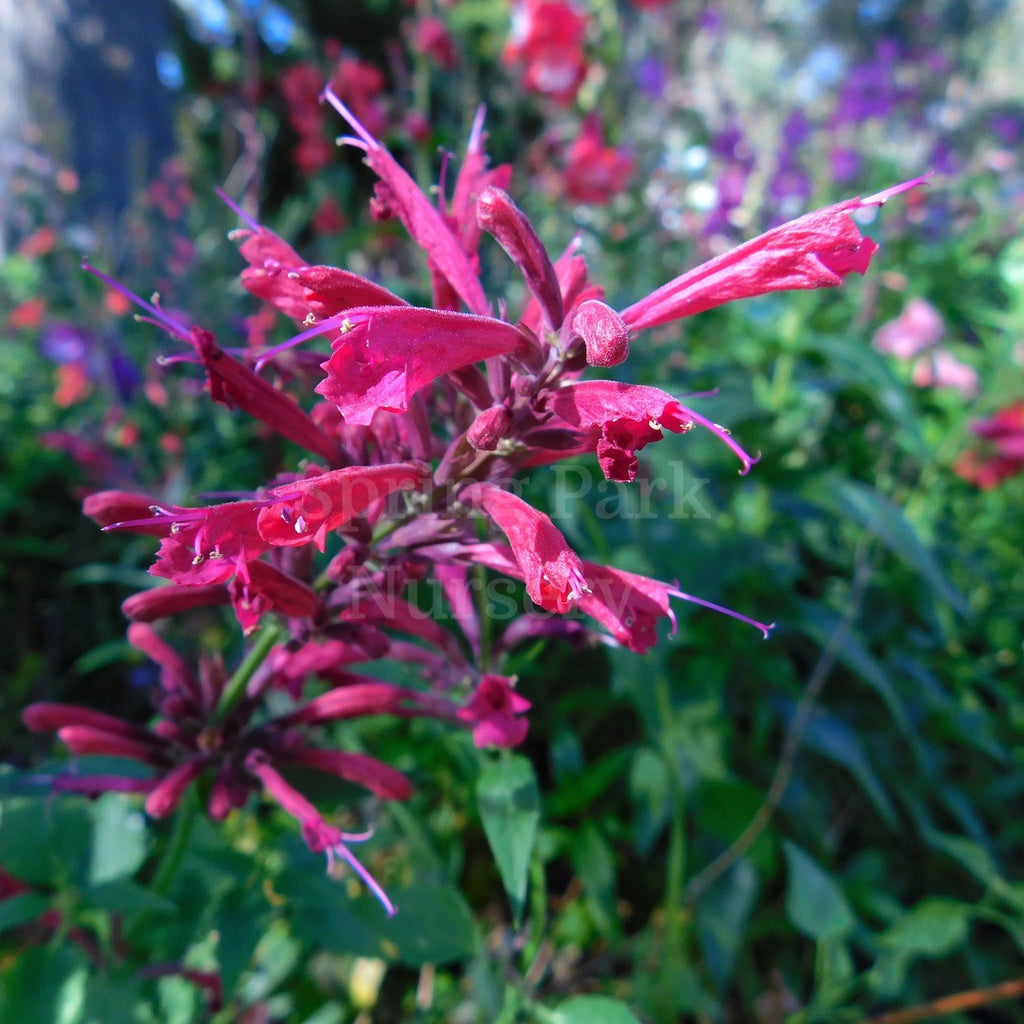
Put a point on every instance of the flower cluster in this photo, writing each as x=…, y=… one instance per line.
x=424, y=418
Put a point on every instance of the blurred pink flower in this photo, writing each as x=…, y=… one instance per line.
x=916, y=329
x=942, y=369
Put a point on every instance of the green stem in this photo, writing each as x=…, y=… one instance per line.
x=177, y=844
x=234, y=689
x=538, y=913
x=484, y=611
x=170, y=861
x=675, y=869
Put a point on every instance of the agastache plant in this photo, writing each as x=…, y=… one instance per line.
x=424, y=421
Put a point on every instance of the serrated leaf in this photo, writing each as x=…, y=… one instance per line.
x=933, y=927
x=509, y=803
x=814, y=900
x=593, y=1010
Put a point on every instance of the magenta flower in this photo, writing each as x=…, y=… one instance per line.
x=547, y=44
x=189, y=740
x=1001, y=454
x=552, y=571
x=595, y=172
x=384, y=355
x=494, y=710
x=620, y=419
x=308, y=509
x=814, y=251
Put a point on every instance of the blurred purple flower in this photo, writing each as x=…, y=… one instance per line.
x=64, y=343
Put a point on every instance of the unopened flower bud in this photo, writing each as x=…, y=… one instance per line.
x=500, y=217
x=602, y=331
x=489, y=428
x=159, y=602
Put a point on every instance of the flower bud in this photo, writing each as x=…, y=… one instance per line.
x=500, y=217
x=488, y=429
x=602, y=331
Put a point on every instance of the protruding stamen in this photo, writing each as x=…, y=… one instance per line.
x=765, y=629
x=341, y=850
x=160, y=318
x=238, y=211
x=365, y=138
x=723, y=435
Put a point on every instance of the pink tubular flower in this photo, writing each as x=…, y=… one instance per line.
x=206, y=545
x=499, y=216
x=814, y=251
x=552, y=571
x=493, y=710
x=942, y=369
x=629, y=605
x=234, y=385
x=270, y=258
x=421, y=219
x=605, y=335
x=160, y=602
x=265, y=589
x=308, y=509
x=431, y=38
x=473, y=177
x=623, y=418
x=386, y=354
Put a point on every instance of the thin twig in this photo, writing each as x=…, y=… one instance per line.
x=956, y=1003
x=700, y=882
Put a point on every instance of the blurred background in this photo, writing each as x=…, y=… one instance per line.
x=822, y=826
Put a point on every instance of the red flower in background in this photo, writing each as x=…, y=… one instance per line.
x=546, y=44
x=1002, y=456
x=594, y=171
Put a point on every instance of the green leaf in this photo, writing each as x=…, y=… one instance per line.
x=832, y=738
x=969, y=854
x=593, y=1010
x=46, y=842
x=814, y=901
x=722, y=916
x=886, y=521
x=595, y=864
x=118, y=839
x=44, y=985
x=652, y=796
x=20, y=909
x=434, y=925
x=933, y=927
x=509, y=803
